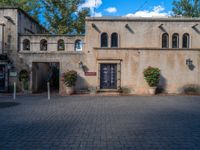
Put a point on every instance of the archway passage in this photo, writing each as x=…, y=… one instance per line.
x=43, y=72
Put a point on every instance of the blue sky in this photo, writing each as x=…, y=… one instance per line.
x=130, y=7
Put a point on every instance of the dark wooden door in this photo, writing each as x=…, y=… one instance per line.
x=2, y=78
x=108, y=76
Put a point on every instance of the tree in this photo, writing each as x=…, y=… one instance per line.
x=31, y=7
x=187, y=8
x=65, y=16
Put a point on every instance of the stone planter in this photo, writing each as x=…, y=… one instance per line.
x=152, y=90
x=69, y=90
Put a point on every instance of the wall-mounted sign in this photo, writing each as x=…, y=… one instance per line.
x=90, y=73
x=13, y=74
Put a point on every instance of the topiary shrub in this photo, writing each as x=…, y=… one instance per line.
x=152, y=76
x=70, y=78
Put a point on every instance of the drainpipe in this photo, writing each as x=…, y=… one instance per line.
x=2, y=42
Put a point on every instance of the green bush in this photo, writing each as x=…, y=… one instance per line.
x=70, y=78
x=152, y=76
x=23, y=75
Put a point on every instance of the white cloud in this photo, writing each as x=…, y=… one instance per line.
x=92, y=5
x=158, y=11
x=111, y=10
x=97, y=14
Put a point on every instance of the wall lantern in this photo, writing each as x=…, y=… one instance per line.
x=96, y=28
x=189, y=63
x=129, y=28
x=80, y=65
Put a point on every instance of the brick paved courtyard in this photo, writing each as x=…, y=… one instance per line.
x=81, y=122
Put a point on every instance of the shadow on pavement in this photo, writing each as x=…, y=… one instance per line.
x=8, y=104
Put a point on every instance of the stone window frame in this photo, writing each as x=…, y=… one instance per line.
x=106, y=40
x=26, y=45
x=59, y=47
x=78, y=45
x=177, y=40
x=43, y=45
x=187, y=42
x=167, y=40
x=116, y=40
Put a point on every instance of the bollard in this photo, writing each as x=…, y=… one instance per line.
x=48, y=90
x=14, y=91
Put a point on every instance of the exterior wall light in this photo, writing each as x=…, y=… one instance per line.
x=129, y=28
x=189, y=63
x=96, y=28
x=80, y=65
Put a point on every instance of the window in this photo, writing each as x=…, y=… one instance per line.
x=175, y=40
x=61, y=45
x=26, y=45
x=104, y=40
x=43, y=45
x=165, y=40
x=78, y=45
x=114, y=40
x=186, y=39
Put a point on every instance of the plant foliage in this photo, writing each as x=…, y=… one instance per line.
x=70, y=78
x=152, y=76
x=187, y=8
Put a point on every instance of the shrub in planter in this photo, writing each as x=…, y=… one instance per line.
x=69, y=79
x=152, y=76
x=24, y=77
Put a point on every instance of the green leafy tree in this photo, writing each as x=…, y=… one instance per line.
x=32, y=7
x=187, y=8
x=65, y=16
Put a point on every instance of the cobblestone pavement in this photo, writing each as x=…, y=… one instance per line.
x=84, y=122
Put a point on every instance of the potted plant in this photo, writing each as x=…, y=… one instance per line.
x=69, y=79
x=23, y=78
x=152, y=76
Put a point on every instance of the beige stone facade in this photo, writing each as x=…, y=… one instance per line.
x=116, y=67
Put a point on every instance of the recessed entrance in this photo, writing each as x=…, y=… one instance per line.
x=2, y=78
x=108, y=76
x=44, y=72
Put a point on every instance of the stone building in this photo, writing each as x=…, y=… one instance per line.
x=110, y=57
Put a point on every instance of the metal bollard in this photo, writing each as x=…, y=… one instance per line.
x=48, y=90
x=14, y=91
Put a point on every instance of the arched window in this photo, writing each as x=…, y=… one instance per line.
x=114, y=40
x=165, y=40
x=61, y=45
x=104, y=40
x=26, y=45
x=186, y=40
x=43, y=45
x=78, y=45
x=175, y=40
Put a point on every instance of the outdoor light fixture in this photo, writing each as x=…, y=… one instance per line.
x=129, y=28
x=190, y=65
x=160, y=26
x=189, y=62
x=194, y=26
x=96, y=28
x=80, y=65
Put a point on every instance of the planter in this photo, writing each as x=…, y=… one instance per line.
x=152, y=90
x=69, y=90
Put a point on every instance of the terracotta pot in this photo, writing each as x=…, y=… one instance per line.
x=152, y=90
x=69, y=90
